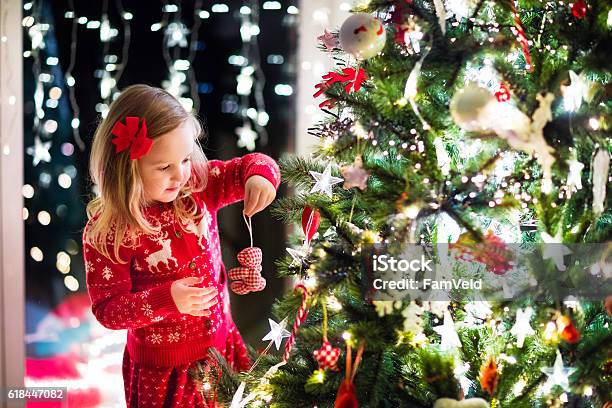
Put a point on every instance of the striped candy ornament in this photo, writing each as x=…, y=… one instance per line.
x=299, y=319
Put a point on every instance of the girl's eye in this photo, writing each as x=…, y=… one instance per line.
x=164, y=168
x=187, y=160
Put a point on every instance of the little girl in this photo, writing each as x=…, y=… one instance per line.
x=151, y=245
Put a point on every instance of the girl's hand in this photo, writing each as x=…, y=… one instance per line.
x=190, y=300
x=258, y=194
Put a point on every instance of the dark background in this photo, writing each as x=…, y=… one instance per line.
x=219, y=37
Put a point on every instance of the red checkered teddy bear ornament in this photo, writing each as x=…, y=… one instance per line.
x=247, y=277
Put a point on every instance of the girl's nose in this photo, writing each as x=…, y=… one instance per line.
x=177, y=175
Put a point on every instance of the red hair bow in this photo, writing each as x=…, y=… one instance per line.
x=128, y=135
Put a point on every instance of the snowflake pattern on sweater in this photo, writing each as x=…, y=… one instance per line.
x=136, y=295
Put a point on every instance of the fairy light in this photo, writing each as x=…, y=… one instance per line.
x=63, y=262
x=220, y=8
x=44, y=218
x=27, y=191
x=71, y=283
x=594, y=123
x=36, y=254
x=283, y=90
x=333, y=303
x=271, y=5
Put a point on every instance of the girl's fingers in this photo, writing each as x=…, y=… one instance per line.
x=252, y=203
x=192, y=280
x=204, y=305
x=203, y=299
x=256, y=204
x=212, y=291
x=209, y=293
x=247, y=197
x=200, y=313
x=271, y=197
x=264, y=200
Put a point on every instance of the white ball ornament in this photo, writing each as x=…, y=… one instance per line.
x=362, y=35
x=468, y=105
x=466, y=403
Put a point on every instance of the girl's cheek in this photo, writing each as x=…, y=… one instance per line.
x=187, y=174
x=157, y=181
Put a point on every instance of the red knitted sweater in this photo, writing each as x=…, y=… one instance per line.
x=136, y=296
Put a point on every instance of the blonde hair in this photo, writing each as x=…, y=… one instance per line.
x=120, y=199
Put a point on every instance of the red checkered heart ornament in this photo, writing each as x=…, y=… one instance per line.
x=327, y=356
x=247, y=278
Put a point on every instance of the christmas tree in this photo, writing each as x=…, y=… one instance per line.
x=464, y=131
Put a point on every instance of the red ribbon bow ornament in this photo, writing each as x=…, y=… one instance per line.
x=129, y=136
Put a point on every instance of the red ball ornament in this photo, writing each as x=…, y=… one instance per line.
x=579, y=9
x=570, y=334
x=608, y=305
x=327, y=356
x=310, y=230
x=567, y=330
x=503, y=93
x=346, y=397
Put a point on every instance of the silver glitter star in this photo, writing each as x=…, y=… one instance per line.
x=277, y=332
x=324, y=181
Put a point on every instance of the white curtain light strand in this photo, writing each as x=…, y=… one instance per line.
x=260, y=79
x=126, y=17
x=175, y=33
x=69, y=78
x=113, y=68
x=251, y=80
x=193, y=48
x=37, y=32
x=107, y=82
